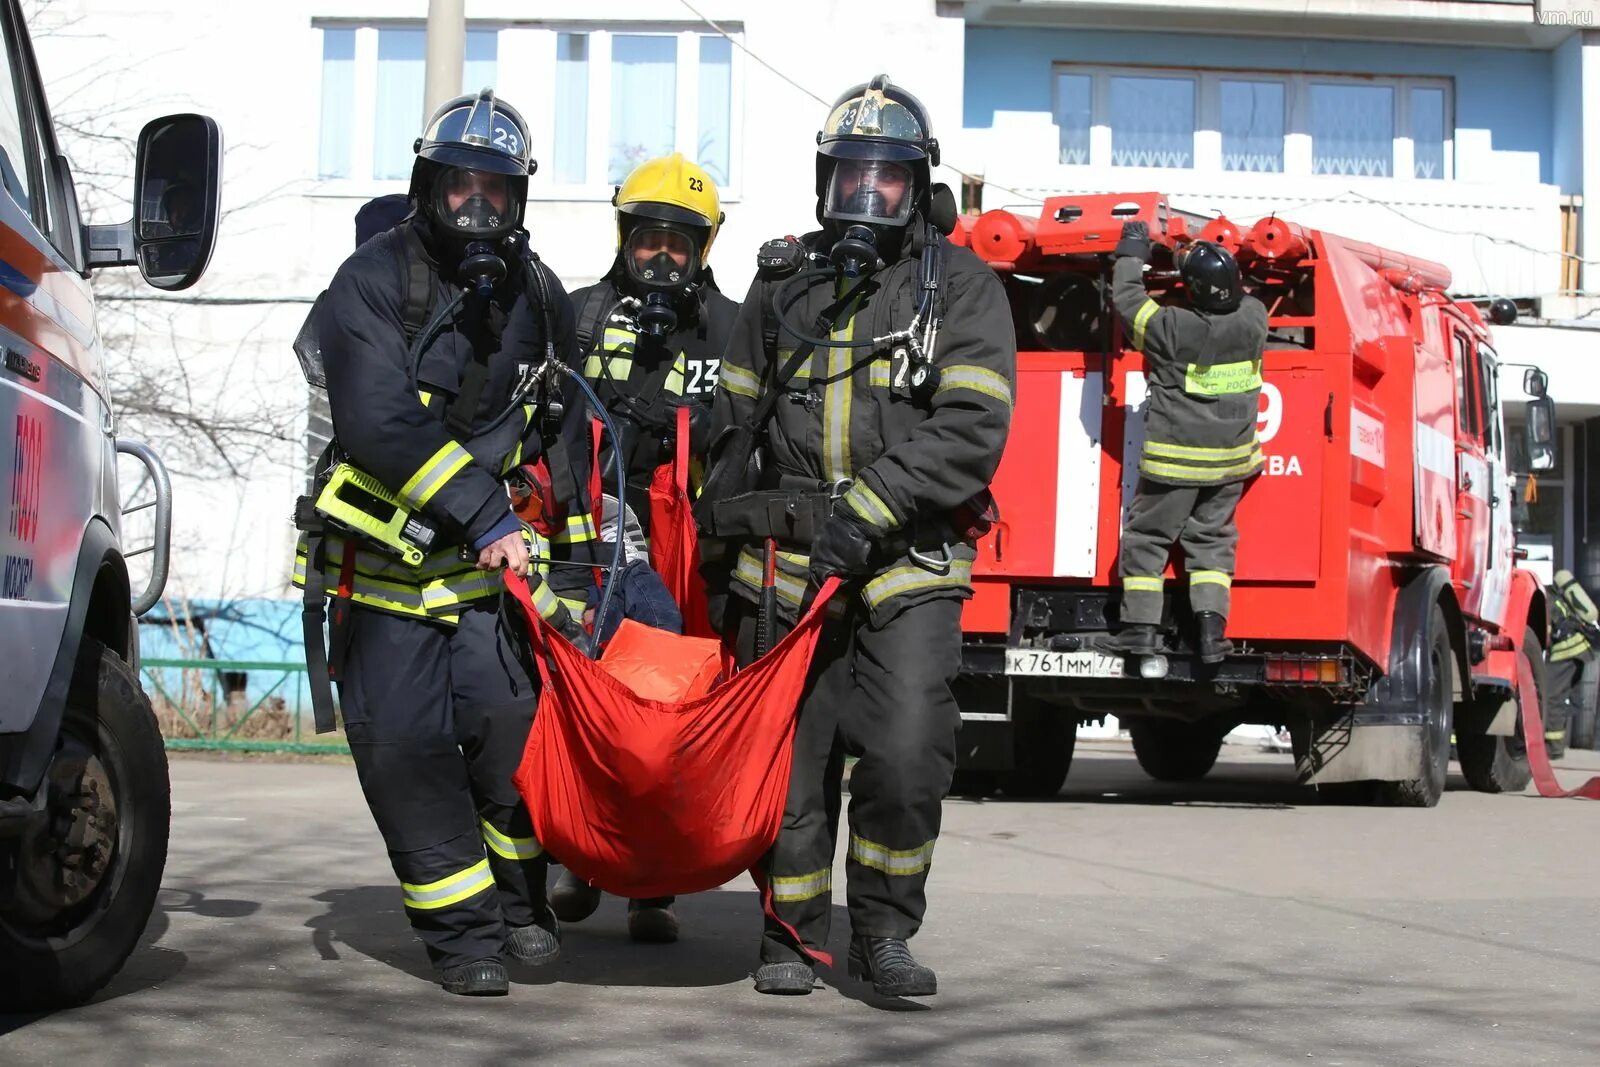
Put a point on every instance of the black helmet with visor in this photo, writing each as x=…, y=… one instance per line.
x=473, y=163
x=875, y=155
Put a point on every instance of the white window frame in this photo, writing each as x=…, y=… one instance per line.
x=525, y=59
x=1297, y=146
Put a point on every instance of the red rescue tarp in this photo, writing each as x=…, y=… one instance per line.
x=650, y=798
x=674, y=543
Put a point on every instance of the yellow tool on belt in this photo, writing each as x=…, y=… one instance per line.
x=359, y=502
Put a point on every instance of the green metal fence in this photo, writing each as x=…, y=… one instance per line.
x=203, y=708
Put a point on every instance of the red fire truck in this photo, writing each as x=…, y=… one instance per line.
x=1377, y=607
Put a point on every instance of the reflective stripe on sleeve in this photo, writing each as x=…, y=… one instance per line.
x=452, y=890
x=1141, y=321
x=431, y=476
x=870, y=506
x=980, y=380
x=739, y=381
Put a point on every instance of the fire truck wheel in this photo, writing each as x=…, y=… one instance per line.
x=87, y=875
x=1171, y=750
x=1435, y=703
x=1493, y=764
x=1043, y=740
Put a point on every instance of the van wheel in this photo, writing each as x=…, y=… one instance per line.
x=1493, y=764
x=88, y=873
x=1171, y=750
x=1435, y=703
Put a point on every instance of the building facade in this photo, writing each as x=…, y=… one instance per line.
x=1466, y=132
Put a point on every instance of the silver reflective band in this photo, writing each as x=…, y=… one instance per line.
x=888, y=860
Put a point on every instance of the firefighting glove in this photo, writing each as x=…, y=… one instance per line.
x=842, y=547
x=1135, y=241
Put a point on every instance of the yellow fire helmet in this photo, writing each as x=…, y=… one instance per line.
x=662, y=197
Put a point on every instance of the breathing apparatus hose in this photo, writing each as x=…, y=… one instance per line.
x=786, y=296
x=615, y=567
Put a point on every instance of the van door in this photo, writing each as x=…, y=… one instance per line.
x=56, y=451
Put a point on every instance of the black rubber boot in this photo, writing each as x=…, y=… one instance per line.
x=573, y=899
x=1136, y=639
x=535, y=945
x=791, y=979
x=652, y=921
x=1213, y=647
x=887, y=963
x=480, y=978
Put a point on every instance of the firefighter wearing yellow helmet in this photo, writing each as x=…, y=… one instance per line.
x=650, y=337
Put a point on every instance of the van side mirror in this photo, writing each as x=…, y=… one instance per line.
x=1541, y=423
x=1535, y=382
x=177, y=204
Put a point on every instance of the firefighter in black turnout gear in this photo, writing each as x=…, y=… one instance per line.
x=428, y=335
x=874, y=363
x=1203, y=365
x=651, y=335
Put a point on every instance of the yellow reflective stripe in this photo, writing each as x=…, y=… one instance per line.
x=431, y=476
x=802, y=373
x=739, y=381
x=802, y=887
x=1554, y=735
x=1209, y=455
x=836, y=399
x=619, y=340
x=1141, y=320
x=675, y=376
x=578, y=528
x=1222, y=578
x=748, y=569
x=910, y=578
x=975, y=380
x=591, y=368
x=870, y=506
x=890, y=860
x=1143, y=583
x=877, y=374
x=425, y=396
x=451, y=890
x=508, y=847
x=1198, y=474
x=1222, y=379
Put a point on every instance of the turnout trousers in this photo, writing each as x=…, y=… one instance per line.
x=437, y=718
x=1200, y=518
x=881, y=694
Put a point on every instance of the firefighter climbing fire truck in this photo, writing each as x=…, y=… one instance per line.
x=1377, y=606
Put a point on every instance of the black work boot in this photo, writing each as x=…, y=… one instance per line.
x=793, y=978
x=573, y=899
x=1213, y=647
x=1136, y=639
x=535, y=945
x=888, y=964
x=480, y=978
x=652, y=921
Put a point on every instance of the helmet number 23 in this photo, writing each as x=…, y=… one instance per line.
x=506, y=139
x=696, y=185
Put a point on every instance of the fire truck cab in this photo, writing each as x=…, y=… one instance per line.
x=1377, y=607
x=84, y=797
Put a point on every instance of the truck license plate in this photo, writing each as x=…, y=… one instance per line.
x=1036, y=662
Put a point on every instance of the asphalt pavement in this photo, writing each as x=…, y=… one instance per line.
x=1236, y=920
